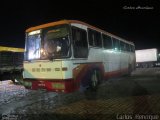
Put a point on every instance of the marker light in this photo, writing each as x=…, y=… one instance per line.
x=34, y=32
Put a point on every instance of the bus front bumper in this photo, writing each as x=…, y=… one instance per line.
x=66, y=86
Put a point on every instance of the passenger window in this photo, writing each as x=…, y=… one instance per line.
x=107, y=41
x=116, y=43
x=128, y=47
x=132, y=48
x=80, y=45
x=94, y=38
x=122, y=46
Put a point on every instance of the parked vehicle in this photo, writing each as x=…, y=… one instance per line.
x=69, y=55
x=11, y=63
x=147, y=58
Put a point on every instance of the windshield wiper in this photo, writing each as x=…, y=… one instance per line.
x=36, y=51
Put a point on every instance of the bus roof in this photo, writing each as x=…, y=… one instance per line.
x=12, y=49
x=73, y=21
x=48, y=25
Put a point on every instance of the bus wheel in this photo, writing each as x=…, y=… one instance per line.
x=91, y=93
x=95, y=75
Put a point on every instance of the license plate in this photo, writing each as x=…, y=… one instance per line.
x=41, y=85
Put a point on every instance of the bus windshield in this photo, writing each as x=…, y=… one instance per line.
x=33, y=46
x=50, y=43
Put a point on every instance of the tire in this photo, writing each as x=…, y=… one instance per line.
x=94, y=79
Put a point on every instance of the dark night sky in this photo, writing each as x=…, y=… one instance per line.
x=138, y=25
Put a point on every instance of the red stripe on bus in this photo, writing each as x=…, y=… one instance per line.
x=80, y=71
x=48, y=85
x=116, y=73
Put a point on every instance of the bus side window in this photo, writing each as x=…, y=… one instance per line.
x=98, y=41
x=94, y=38
x=132, y=48
x=107, y=41
x=128, y=47
x=123, y=46
x=116, y=44
x=80, y=44
x=91, y=37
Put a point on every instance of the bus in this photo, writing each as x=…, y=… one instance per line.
x=11, y=63
x=69, y=55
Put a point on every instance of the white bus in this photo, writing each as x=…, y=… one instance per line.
x=69, y=55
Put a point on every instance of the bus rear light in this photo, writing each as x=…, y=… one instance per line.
x=64, y=69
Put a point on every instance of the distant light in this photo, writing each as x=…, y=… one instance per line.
x=34, y=32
